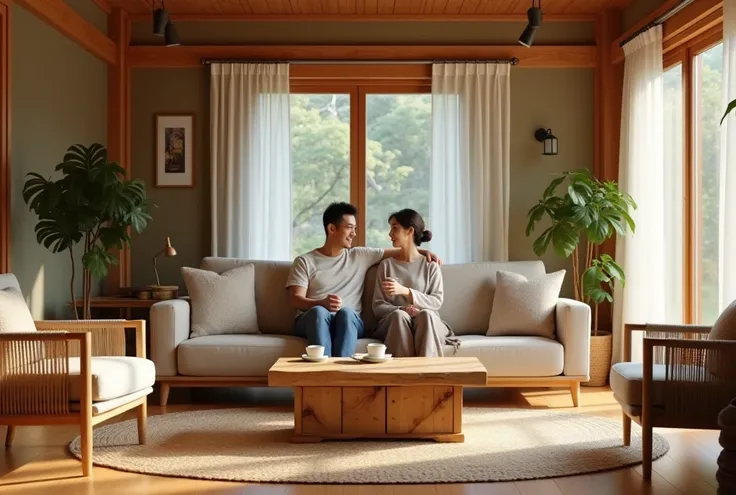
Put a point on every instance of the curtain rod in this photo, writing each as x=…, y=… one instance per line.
x=208, y=61
x=659, y=20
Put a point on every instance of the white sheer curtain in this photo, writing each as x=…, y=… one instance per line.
x=727, y=209
x=641, y=174
x=469, y=177
x=250, y=161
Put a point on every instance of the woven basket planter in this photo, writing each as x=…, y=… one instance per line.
x=600, y=359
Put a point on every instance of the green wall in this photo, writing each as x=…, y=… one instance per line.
x=58, y=98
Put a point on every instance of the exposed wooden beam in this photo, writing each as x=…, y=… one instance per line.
x=63, y=18
x=367, y=17
x=536, y=56
x=118, y=127
x=104, y=5
x=697, y=18
x=4, y=137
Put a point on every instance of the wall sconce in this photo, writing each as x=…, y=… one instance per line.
x=548, y=140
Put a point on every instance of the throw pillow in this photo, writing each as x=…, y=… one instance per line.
x=524, y=306
x=222, y=303
x=14, y=313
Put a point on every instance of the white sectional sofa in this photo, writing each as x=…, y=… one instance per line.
x=242, y=360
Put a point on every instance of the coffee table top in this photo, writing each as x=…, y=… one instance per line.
x=345, y=372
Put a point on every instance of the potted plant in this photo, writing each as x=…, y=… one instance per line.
x=596, y=211
x=92, y=203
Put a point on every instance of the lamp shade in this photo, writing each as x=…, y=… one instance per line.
x=171, y=38
x=527, y=37
x=548, y=140
x=168, y=249
x=160, y=20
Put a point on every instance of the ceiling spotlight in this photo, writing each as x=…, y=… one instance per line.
x=534, y=16
x=171, y=38
x=160, y=20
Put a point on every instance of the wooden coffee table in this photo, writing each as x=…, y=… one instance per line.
x=342, y=398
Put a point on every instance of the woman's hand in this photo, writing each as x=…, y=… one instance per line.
x=412, y=310
x=393, y=288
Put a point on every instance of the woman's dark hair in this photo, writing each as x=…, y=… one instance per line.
x=410, y=218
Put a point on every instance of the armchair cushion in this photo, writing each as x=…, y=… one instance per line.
x=627, y=378
x=14, y=313
x=113, y=377
x=524, y=306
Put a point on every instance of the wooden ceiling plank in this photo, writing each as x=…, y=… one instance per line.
x=470, y=6
x=385, y=6
x=330, y=6
x=104, y=5
x=547, y=56
x=453, y=7
x=348, y=7
x=65, y=20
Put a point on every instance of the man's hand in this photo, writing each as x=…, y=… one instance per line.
x=412, y=310
x=430, y=256
x=393, y=288
x=332, y=303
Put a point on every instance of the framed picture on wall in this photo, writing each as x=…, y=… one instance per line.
x=175, y=150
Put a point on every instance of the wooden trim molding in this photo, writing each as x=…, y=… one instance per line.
x=104, y=5
x=692, y=21
x=118, y=127
x=539, y=56
x=64, y=19
x=4, y=138
x=365, y=17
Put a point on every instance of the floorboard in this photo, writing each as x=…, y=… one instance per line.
x=39, y=463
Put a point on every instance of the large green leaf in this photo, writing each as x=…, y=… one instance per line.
x=729, y=109
x=565, y=238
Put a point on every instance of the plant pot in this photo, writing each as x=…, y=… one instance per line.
x=600, y=359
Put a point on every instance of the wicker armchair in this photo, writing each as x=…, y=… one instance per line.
x=69, y=372
x=684, y=381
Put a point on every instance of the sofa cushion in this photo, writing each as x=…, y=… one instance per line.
x=222, y=303
x=466, y=286
x=240, y=355
x=113, y=377
x=523, y=306
x=275, y=313
x=513, y=355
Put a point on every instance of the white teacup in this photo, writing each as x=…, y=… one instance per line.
x=376, y=350
x=315, y=351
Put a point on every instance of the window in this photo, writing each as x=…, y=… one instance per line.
x=693, y=109
x=368, y=144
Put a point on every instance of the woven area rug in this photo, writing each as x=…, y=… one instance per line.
x=252, y=445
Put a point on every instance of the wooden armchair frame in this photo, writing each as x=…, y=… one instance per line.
x=692, y=395
x=35, y=391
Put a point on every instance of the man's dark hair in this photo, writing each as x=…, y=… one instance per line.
x=334, y=213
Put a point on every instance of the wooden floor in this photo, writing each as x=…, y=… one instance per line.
x=39, y=462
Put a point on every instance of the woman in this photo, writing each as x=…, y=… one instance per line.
x=409, y=293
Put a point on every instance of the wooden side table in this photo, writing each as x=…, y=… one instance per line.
x=124, y=304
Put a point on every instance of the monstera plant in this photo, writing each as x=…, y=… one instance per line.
x=93, y=204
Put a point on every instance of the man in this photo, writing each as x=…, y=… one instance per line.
x=326, y=284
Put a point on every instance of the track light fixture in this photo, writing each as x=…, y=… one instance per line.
x=534, y=16
x=160, y=20
x=171, y=38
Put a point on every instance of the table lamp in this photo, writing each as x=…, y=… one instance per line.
x=166, y=251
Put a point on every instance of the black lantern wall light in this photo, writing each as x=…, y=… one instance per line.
x=162, y=26
x=548, y=140
x=534, y=16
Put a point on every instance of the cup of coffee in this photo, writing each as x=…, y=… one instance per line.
x=315, y=351
x=376, y=350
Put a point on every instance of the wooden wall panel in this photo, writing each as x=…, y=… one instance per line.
x=118, y=126
x=4, y=137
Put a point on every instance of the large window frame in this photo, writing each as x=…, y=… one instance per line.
x=685, y=56
x=359, y=81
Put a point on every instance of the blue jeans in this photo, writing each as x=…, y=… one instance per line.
x=338, y=332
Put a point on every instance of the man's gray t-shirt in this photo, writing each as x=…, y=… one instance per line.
x=343, y=275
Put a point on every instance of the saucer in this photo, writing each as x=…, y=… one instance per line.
x=306, y=357
x=365, y=358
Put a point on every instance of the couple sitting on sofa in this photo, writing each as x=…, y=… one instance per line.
x=326, y=286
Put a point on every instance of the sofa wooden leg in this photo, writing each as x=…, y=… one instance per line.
x=575, y=392
x=142, y=419
x=9, y=436
x=164, y=394
x=627, y=429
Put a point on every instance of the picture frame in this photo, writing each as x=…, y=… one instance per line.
x=174, y=150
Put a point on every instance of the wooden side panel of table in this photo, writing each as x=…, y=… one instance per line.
x=431, y=412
